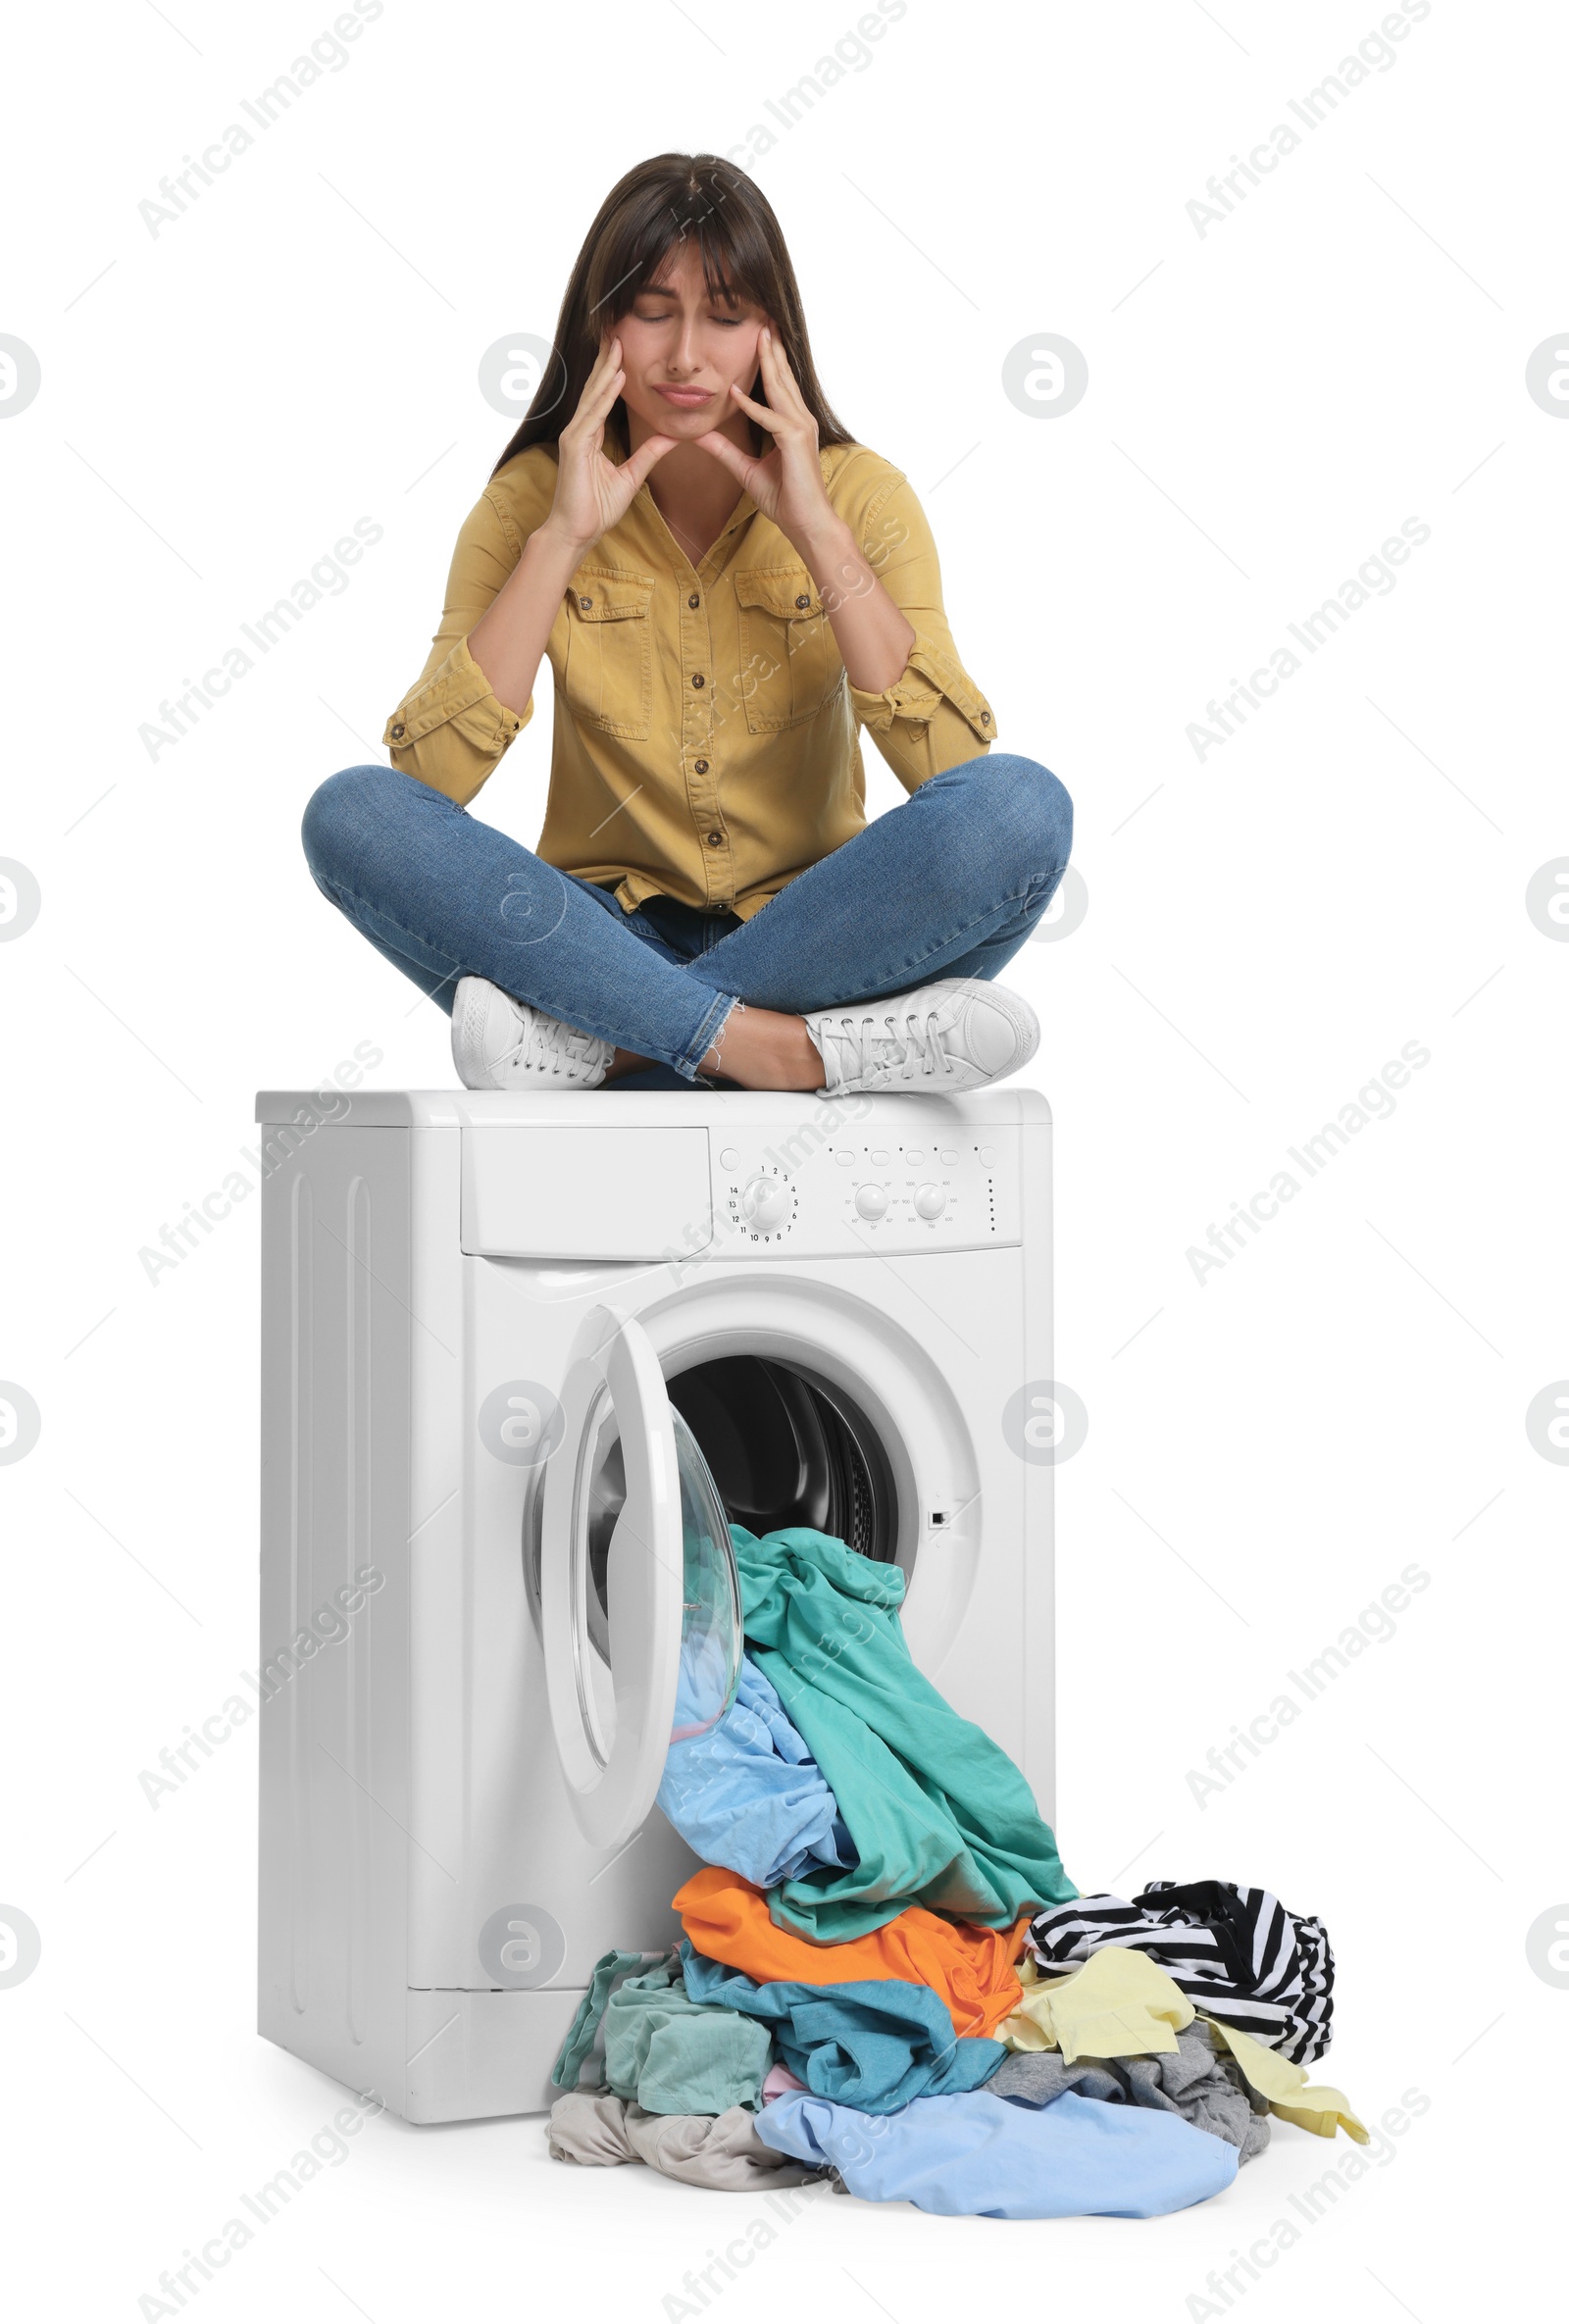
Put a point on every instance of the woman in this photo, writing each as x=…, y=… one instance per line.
x=728, y=587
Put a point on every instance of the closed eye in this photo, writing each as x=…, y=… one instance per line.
x=729, y=321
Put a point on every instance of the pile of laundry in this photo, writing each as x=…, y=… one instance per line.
x=887, y=1979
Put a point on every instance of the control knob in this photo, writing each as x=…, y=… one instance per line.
x=872, y=1202
x=767, y=1203
x=930, y=1202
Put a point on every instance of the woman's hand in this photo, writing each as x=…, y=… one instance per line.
x=873, y=636
x=788, y=483
x=592, y=492
x=508, y=641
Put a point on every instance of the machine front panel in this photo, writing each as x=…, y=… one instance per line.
x=875, y=1187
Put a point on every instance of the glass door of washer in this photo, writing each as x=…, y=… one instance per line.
x=639, y=1599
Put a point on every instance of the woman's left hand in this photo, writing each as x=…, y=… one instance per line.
x=787, y=485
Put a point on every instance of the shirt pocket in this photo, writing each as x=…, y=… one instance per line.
x=608, y=677
x=790, y=663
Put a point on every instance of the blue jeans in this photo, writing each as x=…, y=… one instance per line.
x=949, y=883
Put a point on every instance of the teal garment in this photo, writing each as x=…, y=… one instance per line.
x=940, y=1815
x=582, y=2063
x=675, y=2056
x=876, y=2043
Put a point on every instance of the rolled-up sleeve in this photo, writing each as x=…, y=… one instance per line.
x=934, y=716
x=449, y=730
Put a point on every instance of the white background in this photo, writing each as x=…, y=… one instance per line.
x=1267, y=1450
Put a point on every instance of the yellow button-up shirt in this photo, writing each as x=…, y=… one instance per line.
x=706, y=736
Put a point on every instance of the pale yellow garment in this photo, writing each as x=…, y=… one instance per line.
x=1312, y=2106
x=1123, y=2004
x=1119, y=2004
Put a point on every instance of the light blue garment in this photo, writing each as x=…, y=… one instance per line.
x=976, y=2155
x=747, y=1793
x=874, y=2044
x=702, y=1674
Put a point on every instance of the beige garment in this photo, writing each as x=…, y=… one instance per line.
x=722, y=2150
x=1123, y=2004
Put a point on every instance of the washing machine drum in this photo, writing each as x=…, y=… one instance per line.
x=782, y=1448
x=785, y=1449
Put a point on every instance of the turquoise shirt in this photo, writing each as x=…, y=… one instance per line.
x=939, y=1813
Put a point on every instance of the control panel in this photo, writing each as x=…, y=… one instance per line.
x=826, y=1193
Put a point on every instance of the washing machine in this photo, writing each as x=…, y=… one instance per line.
x=523, y=1360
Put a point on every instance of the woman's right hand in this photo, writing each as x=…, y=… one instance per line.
x=592, y=492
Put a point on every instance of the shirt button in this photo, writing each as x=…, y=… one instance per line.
x=801, y=604
x=585, y=602
x=694, y=601
x=699, y=766
x=397, y=732
x=699, y=679
x=985, y=718
x=715, y=839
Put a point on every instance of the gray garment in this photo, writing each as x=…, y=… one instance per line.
x=704, y=2149
x=1189, y=2081
x=1258, y=2136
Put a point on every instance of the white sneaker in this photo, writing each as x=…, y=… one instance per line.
x=956, y=1035
x=501, y=1043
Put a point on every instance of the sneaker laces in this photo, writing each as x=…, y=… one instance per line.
x=549, y=1047
x=894, y=1045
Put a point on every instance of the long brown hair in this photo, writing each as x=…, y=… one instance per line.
x=656, y=205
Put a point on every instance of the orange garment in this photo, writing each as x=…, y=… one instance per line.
x=972, y=1968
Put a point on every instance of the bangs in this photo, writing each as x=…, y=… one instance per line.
x=648, y=240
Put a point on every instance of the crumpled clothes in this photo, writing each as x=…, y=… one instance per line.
x=748, y=1794
x=1191, y=2082
x=581, y=2062
x=1123, y=2004
x=722, y=2150
x=874, y=2045
x=938, y=1814
x=728, y=1920
x=653, y=2044
x=976, y=2155
x=1238, y=1950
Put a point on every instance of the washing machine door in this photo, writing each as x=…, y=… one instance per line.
x=639, y=1599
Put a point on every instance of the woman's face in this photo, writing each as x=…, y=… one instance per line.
x=680, y=351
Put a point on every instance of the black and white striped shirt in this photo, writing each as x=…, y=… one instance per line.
x=1238, y=1954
